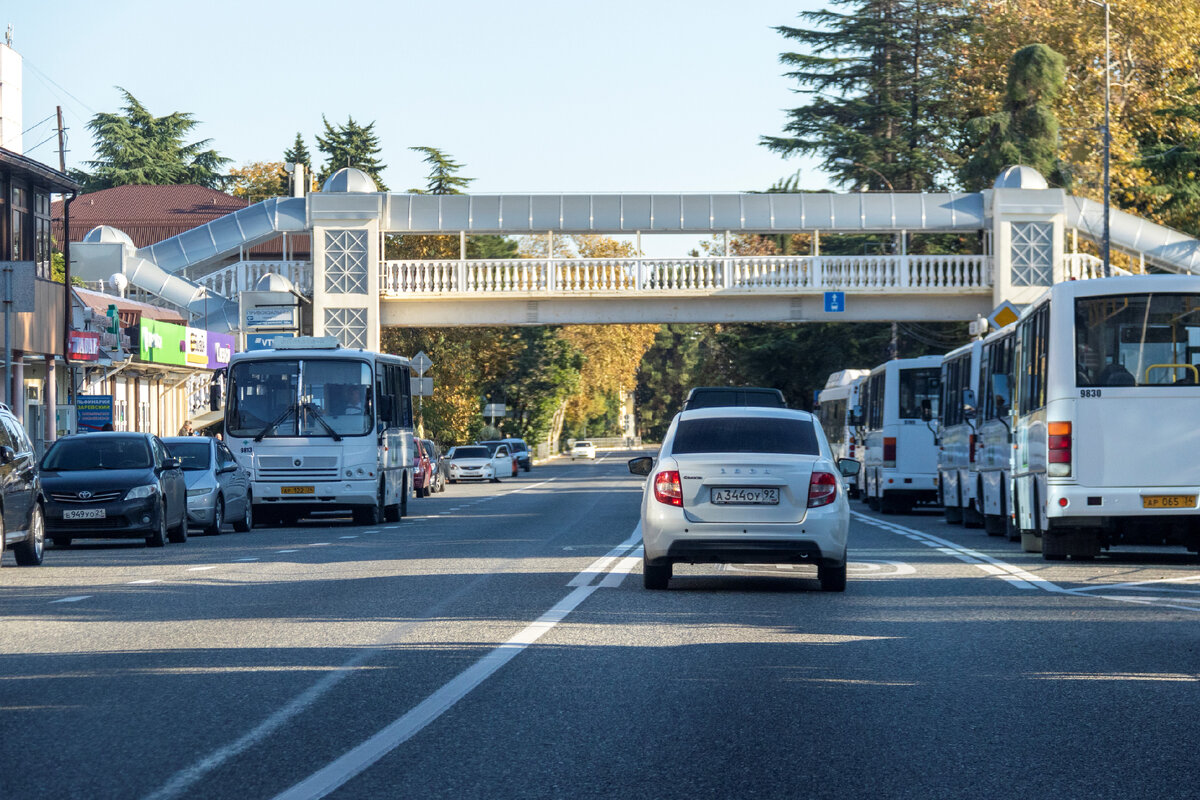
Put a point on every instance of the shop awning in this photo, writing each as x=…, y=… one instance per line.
x=207, y=418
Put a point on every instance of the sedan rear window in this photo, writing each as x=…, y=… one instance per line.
x=192, y=455
x=745, y=435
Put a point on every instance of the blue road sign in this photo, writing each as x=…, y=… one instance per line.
x=835, y=301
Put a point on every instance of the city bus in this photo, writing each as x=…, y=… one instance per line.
x=835, y=404
x=900, y=461
x=1107, y=401
x=993, y=439
x=957, y=423
x=322, y=427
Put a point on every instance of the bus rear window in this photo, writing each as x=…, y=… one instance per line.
x=917, y=386
x=1137, y=340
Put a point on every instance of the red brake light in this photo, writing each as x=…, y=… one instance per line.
x=889, y=451
x=822, y=489
x=1058, y=443
x=667, y=488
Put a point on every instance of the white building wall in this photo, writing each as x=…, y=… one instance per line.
x=10, y=100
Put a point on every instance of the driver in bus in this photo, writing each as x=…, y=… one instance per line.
x=354, y=401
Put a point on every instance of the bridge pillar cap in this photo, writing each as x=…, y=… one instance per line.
x=107, y=234
x=274, y=282
x=1020, y=177
x=350, y=179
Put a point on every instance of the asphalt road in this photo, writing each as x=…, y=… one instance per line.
x=497, y=643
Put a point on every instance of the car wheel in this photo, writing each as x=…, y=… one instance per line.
x=833, y=579
x=247, y=521
x=180, y=534
x=655, y=576
x=218, y=519
x=528, y=466
x=29, y=552
x=159, y=537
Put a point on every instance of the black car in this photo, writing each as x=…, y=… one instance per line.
x=23, y=527
x=718, y=396
x=114, y=485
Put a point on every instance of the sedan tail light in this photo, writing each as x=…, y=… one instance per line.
x=1059, y=446
x=667, y=488
x=822, y=489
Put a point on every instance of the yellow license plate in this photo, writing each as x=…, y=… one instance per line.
x=1169, y=501
x=297, y=490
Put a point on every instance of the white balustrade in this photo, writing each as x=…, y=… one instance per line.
x=243, y=276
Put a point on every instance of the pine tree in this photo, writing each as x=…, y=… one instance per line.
x=875, y=74
x=443, y=177
x=351, y=145
x=296, y=154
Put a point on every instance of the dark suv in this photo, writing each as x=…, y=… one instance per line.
x=22, y=523
x=717, y=396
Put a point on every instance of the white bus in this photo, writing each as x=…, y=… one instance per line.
x=957, y=422
x=322, y=428
x=834, y=406
x=1106, y=419
x=993, y=440
x=900, y=464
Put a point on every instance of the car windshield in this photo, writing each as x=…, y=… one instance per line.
x=91, y=452
x=745, y=435
x=583, y=444
x=471, y=452
x=300, y=397
x=192, y=455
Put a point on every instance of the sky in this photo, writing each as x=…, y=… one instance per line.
x=529, y=95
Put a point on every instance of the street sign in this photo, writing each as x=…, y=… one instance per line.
x=422, y=387
x=493, y=410
x=93, y=411
x=1004, y=314
x=271, y=317
x=835, y=302
x=421, y=363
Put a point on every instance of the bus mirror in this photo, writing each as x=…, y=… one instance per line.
x=968, y=400
x=926, y=410
x=1002, y=393
x=856, y=416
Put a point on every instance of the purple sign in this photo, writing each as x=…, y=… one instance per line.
x=220, y=350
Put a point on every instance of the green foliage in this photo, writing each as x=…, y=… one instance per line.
x=877, y=80
x=136, y=147
x=443, y=177
x=492, y=247
x=351, y=145
x=1026, y=130
x=1172, y=161
x=542, y=377
x=296, y=154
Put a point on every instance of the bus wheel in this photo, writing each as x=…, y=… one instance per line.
x=971, y=517
x=390, y=513
x=873, y=503
x=887, y=505
x=404, y=497
x=954, y=514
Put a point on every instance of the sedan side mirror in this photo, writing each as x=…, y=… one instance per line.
x=848, y=467
x=227, y=468
x=643, y=465
x=7, y=454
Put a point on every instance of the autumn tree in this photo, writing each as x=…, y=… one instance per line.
x=255, y=181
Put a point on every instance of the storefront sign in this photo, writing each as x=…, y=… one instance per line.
x=83, y=346
x=166, y=343
x=196, y=354
x=93, y=411
x=264, y=341
x=220, y=350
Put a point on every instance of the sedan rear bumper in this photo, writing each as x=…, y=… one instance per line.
x=749, y=551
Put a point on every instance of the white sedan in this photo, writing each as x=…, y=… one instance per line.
x=475, y=463
x=745, y=485
x=583, y=449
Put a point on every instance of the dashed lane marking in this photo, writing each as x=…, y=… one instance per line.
x=287, y=551
x=144, y=582
x=74, y=599
x=201, y=569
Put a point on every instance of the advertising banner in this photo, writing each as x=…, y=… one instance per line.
x=220, y=350
x=93, y=411
x=83, y=346
x=162, y=342
x=196, y=354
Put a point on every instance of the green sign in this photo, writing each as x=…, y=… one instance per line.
x=162, y=342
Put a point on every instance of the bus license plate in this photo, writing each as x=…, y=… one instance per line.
x=297, y=490
x=84, y=513
x=749, y=496
x=1169, y=501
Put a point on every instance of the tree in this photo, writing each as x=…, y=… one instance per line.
x=256, y=181
x=443, y=177
x=351, y=145
x=542, y=377
x=296, y=154
x=136, y=147
x=1171, y=159
x=876, y=78
x=1026, y=130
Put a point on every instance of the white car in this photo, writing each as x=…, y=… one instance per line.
x=475, y=463
x=745, y=485
x=583, y=449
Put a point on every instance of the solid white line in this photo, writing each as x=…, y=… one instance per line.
x=341, y=770
x=613, y=579
x=144, y=582
x=75, y=599
x=320, y=544
x=600, y=564
x=251, y=558
x=1131, y=584
x=200, y=569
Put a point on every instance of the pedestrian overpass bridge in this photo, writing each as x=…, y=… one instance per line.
x=1028, y=236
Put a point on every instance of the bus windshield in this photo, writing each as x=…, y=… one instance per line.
x=1137, y=340
x=300, y=397
x=917, y=386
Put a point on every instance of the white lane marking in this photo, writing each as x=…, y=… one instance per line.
x=374, y=531
x=144, y=582
x=200, y=569
x=530, y=486
x=287, y=551
x=347, y=537
x=390, y=527
x=613, y=579
x=74, y=599
x=380, y=744
x=1187, y=579
x=320, y=544
x=600, y=564
x=337, y=773
x=251, y=558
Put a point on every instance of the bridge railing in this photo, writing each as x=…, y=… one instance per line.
x=750, y=274
x=1085, y=266
x=243, y=276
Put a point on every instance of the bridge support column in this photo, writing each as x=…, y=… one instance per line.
x=345, y=257
x=1028, y=238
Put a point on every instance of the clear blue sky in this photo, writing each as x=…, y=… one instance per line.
x=531, y=96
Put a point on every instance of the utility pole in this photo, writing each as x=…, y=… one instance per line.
x=1106, y=243
x=62, y=152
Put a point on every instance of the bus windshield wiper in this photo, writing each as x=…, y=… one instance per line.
x=319, y=416
x=271, y=425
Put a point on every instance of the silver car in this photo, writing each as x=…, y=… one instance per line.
x=218, y=488
x=744, y=485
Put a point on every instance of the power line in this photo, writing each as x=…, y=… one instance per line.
x=34, y=125
x=54, y=83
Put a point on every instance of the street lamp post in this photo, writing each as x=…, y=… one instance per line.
x=1105, y=247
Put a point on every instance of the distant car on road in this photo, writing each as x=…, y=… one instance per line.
x=583, y=449
x=422, y=469
x=218, y=489
x=22, y=526
x=114, y=485
x=744, y=485
x=495, y=446
x=521, y=450
x=474, y=463
x=441, y=467
x=713, y=396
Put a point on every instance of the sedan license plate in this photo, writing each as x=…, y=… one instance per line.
x=297, y=490
x=84, y=513
x=745, y=496
x=1169, y=501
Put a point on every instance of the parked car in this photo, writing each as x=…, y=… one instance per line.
x=713, y=396
x=494, y=446
x=441, y=469
x=218, y=488
x=422, y=470
x=583, y=449
x=475, y=463
x=22, y=525
x=521, y=450
x=113, y=485
x=738, y=485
